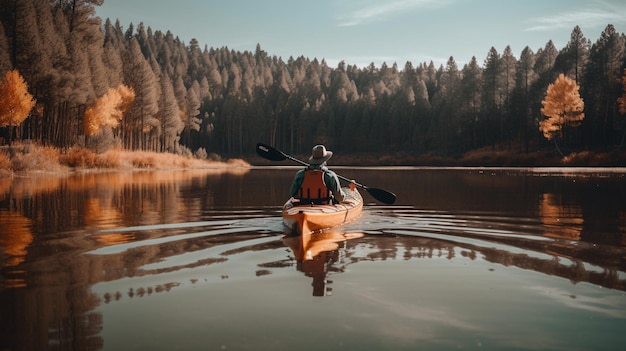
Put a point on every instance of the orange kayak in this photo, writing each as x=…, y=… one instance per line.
x=305, y=219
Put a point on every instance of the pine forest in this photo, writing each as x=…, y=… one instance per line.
x=95, y=83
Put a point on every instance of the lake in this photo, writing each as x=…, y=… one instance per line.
x=491, y=259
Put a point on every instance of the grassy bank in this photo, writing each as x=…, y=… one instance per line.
x=31, y=158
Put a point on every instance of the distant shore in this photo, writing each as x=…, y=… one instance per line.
x=28, y=159
x=478, y=158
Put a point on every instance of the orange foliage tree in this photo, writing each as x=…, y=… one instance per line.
x=15, y=101
x=108, y=109
x=562, y=106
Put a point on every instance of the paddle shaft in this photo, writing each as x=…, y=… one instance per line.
x=274, y=154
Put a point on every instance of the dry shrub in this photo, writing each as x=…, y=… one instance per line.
x=237, y=162
x=485, y=157
x=141, y=159
x=214, y=157
x=109, y=159
x=154, y=160
x=30, y=157
x=594, y=159
x=5, y=164
x=143, y=162
x=79, y=157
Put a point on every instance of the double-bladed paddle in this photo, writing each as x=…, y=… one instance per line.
x=273, y=154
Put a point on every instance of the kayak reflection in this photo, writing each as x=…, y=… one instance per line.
x=315, y=254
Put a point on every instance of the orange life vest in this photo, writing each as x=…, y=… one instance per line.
x=313, y=188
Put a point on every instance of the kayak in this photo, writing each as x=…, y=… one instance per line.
x=310, y=218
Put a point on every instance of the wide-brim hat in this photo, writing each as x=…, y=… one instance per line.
x=320, y=155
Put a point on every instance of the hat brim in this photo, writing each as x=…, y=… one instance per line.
x=319, y=161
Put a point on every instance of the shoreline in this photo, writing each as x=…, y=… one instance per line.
x=24, y=160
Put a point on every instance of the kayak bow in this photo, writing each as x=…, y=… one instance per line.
x=305, y=219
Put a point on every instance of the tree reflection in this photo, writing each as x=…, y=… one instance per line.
x=125, y=233
x=561, y=221
x=15, y=238
x=315, y=254
x=46, y=223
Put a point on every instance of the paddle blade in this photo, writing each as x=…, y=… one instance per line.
x=382, y=195
x=269, y=152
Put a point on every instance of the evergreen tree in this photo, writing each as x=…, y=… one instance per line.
x=603, y=87
x=169, y=115
x=5, y=59
x=446, y=106
x=471, y=99
x=523, y=107
x=622, y=107
x=141, y=118
x=492, y=102
x=575, y=55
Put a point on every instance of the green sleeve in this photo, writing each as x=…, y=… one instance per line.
x=332, y=182
x=297, y=181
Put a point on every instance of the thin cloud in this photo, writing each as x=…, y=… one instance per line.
x=589, y=18
x=385, y=10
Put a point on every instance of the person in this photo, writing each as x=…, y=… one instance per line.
x=316, y=184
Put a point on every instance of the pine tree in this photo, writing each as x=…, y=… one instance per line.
x=169, y=113
x=5, y=58
x=578, y=53
x=622, y=106
x=139, y=75
x=191, y=110
x=526, y=77
x=602, y=86
x=470, y=94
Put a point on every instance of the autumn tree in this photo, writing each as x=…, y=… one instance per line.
x=15, y=101
x=562, y=107
x=108, y=109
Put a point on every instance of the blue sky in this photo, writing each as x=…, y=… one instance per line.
x=364, y=31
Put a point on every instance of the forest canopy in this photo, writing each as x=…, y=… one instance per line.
x=188, y=97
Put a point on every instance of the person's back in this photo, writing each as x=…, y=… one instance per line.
x=316, y=183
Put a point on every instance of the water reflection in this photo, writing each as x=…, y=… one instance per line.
x=46, y=223
x=316, y=254
x=72, y=247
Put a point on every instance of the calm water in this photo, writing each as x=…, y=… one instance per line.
x=488, y=259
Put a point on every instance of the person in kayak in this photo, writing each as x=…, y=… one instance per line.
x=316, y=184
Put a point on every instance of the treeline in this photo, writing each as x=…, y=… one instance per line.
x=193, y=99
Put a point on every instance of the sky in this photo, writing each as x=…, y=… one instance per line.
x=361, y=32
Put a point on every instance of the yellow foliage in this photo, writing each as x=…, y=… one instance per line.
x=128, y=96
x=108, y=109
x=15, y=100
x=15, y=237
x=562, y=106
